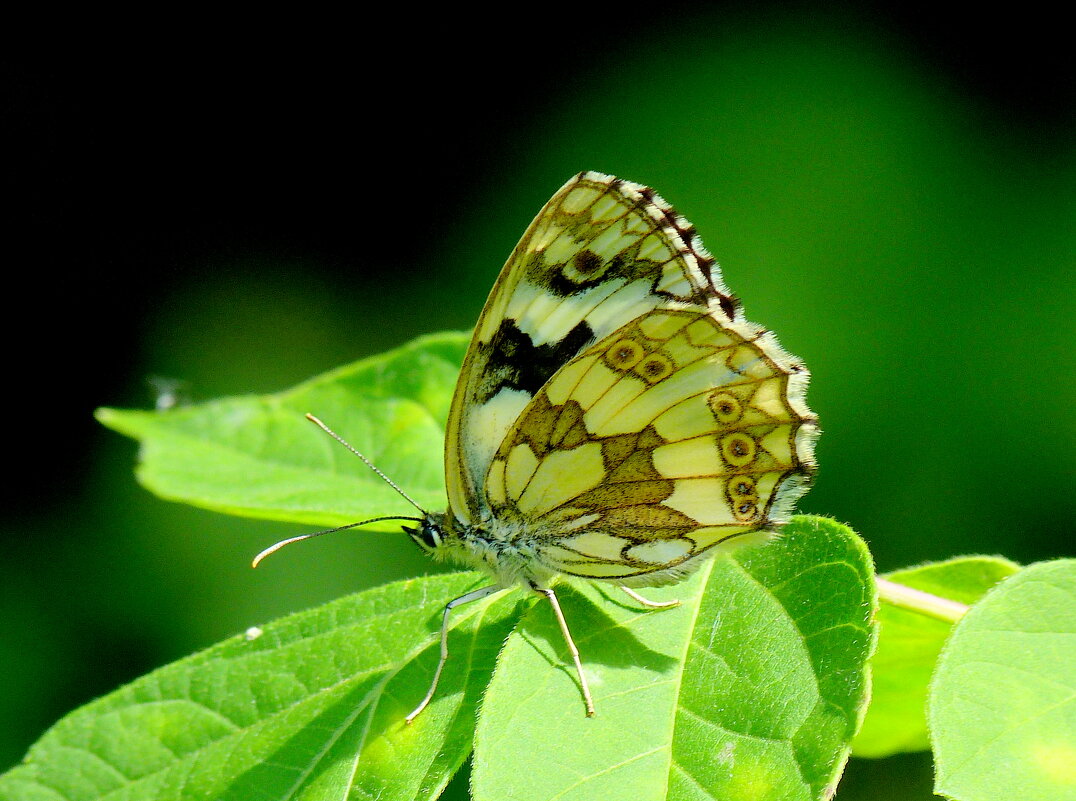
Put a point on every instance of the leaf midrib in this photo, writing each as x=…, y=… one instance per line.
x=706, y=571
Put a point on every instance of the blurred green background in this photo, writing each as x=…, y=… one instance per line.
x=890, y=190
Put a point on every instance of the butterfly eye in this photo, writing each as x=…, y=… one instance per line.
x=738, y=449
x=427, y=536
x=623, y=354
x=726, y=407
x=654, y=368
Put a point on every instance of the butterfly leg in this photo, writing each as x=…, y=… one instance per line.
x=647, y=602
x=552, y=596
x=475, y=595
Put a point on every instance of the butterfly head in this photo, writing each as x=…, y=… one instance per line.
x=430, y=535
x=445, y=538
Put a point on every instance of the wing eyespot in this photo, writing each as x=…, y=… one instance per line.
x=654, y=368
x=726, y=407
x=738, y=448
x=624, y=354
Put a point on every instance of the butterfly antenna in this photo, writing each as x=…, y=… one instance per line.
x=366, y=461
x=276, y=547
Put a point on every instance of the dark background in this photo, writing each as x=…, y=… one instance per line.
x=242, y=204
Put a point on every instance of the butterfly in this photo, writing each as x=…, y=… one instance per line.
x=616, y=418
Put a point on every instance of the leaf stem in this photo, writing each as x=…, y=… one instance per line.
x=918, y=601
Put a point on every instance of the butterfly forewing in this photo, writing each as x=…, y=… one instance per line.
x=601, y=253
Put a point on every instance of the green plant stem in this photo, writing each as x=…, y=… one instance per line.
x=918, y=601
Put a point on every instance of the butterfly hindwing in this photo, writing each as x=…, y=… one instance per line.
x=669, y=436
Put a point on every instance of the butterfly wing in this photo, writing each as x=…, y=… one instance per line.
x=601, y=253
x=675, y=433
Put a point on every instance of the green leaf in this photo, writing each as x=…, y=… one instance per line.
x=752, y=688
x=756, y=685
x=259, y=457
x=312, y=708
x=1003, y=701
x=908, y=646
